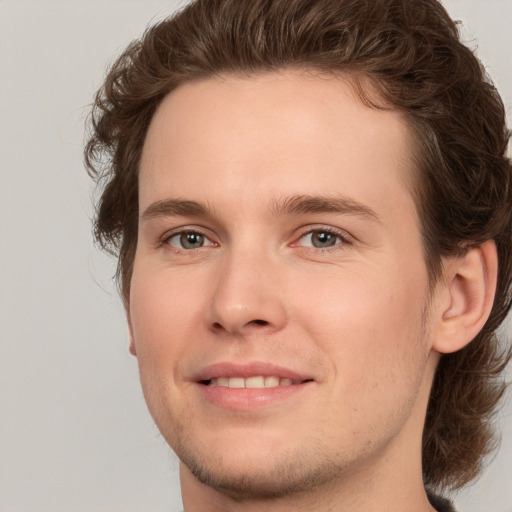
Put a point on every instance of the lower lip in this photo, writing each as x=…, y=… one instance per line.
x=251, y=398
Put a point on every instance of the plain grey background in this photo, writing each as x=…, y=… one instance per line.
x=74, y=431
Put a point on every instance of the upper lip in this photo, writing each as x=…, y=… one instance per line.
x=254, y=369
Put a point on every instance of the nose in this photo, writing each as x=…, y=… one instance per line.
x=247, y=298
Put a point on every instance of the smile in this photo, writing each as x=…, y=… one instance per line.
x=255, y=382
x=251, y=386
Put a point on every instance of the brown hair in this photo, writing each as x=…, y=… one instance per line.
x=410, y=52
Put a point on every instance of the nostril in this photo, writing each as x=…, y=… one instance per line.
x=239, y=328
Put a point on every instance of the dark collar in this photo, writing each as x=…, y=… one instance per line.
x=440, y=504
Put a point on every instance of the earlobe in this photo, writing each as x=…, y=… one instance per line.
x=131, y=345
x=468, y=290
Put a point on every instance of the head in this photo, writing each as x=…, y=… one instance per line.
x=400, y=58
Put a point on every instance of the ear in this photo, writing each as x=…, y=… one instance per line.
x=131, y=346
x=466, y=297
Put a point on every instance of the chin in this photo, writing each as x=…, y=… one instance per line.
x=245, y=477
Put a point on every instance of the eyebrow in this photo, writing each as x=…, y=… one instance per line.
x=303, y=204
x=297, y=204
x=172, y=207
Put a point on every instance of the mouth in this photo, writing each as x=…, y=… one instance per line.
x=253, y=382
x=251, y=386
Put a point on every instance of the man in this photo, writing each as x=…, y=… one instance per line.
x=311, y=205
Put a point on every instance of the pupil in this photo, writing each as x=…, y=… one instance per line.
x=191, y=240
x=323, y=239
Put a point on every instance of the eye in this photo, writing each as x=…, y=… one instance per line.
x=320, y=239
x=189, y=240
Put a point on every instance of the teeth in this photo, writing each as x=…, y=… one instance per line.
x=223, y=381
x=252, y=382
x=236, y=382
x=271, y=382
x=255, y=382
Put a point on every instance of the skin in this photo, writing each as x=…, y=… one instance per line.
x=355, y=316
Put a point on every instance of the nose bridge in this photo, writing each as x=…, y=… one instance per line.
x=247, y=296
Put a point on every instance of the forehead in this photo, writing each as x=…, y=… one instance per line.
x=268, y=131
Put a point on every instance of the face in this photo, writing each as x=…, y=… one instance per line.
x=279, y=289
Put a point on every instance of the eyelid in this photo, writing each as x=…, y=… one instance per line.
x=345, y=237
x=168, y=235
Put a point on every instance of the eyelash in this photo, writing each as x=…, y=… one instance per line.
x=167, y=239
x=342, y=236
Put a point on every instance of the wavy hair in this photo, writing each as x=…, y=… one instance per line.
x=410, y=53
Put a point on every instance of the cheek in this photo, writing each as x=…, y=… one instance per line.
x=370, y=326
x=162, y=310
x=377, y=354
x=160, y=313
